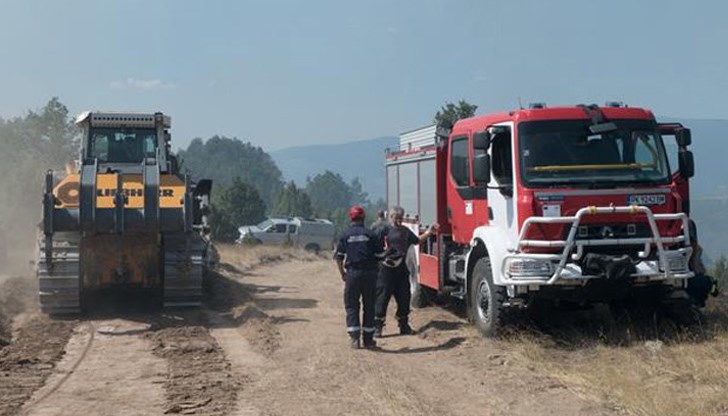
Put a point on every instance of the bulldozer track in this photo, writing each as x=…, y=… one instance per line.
x=183, y=269
x=91, y=330
x=59, y=278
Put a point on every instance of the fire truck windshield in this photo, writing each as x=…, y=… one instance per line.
x=565, y=152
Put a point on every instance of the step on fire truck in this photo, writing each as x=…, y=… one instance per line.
x=578, y=204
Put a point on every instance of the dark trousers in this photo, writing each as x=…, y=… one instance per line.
x=393, y=281
x=360, y=284
x=699, y=288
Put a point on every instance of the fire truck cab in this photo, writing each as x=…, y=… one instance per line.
x=577, y=204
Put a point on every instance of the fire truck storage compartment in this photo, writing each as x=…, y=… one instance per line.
x=411, y=176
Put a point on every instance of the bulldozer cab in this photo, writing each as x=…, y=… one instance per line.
x=122, y=145
x=126, y=141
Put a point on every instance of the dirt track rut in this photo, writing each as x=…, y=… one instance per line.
x=107, y=369
x=271, y=341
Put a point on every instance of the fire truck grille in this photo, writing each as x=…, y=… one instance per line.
x=605, y=231
x=611, y=231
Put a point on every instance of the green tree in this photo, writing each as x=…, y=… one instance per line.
x=292, y=201
x=328, y=192
x=373, y=207
x=358, y=196
x=29, y=146
x=234, y=206
x=222, y=159
x=56, y=130
x=453, y=112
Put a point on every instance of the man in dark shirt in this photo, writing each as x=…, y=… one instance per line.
x=394, y=276
x=356, y=256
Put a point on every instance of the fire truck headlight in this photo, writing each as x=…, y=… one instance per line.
x=677, y=262
x=529, y=268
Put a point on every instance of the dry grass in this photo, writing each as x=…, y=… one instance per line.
x=668, y=373
x=634, y=365
x=247, y=257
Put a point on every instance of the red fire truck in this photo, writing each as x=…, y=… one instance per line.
x=576, y=204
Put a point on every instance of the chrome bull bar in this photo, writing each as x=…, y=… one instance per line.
x=577, y=246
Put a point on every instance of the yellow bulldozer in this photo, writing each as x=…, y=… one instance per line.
x=122, y=218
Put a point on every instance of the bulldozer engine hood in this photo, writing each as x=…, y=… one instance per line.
x=171, y=191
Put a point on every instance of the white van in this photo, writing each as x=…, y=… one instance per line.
x=311, y=234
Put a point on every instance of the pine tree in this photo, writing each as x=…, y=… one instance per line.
x=292, y=202
x=450, y=113
x=235, y=206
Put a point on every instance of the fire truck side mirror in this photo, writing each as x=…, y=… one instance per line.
x=686, y=163
x=683, y=137
x=481, y=169
x=481, y=140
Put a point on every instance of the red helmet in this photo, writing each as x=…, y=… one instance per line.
x=356, y=213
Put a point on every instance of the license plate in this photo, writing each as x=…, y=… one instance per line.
x=652, y=199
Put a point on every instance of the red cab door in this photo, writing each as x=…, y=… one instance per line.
x=668, y=132
x=460, y=208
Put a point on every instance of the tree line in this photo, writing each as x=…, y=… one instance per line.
x=30, y=145
x=247, y=184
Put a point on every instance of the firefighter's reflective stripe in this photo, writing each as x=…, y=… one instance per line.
x=361, y=238
x=368, y=329
x=353, y=329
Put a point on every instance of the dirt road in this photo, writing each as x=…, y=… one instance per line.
x=305, y=366
x=271, y=341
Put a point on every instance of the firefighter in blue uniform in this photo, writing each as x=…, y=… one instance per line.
x=356, y=255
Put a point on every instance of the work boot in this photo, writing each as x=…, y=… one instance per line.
x=405, y=328
x=354, y=340
x=378, y=327
x=369, y=342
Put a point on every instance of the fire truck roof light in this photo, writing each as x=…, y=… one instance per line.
x=536, y=106
x=615, y=104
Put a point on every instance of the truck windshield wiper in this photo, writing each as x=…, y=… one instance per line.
x=591, y=184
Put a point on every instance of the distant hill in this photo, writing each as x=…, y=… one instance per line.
x=363, y=159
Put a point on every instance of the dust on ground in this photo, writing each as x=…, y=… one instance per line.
x=28, y=350
x=271, y=340
x=16, y=296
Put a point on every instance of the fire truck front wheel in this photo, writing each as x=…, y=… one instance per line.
x=486, y=300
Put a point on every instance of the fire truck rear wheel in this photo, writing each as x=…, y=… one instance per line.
x=486, y=300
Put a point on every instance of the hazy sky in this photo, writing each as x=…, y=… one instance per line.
x=285, y=73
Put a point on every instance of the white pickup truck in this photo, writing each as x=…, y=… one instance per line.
x=311, y=234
